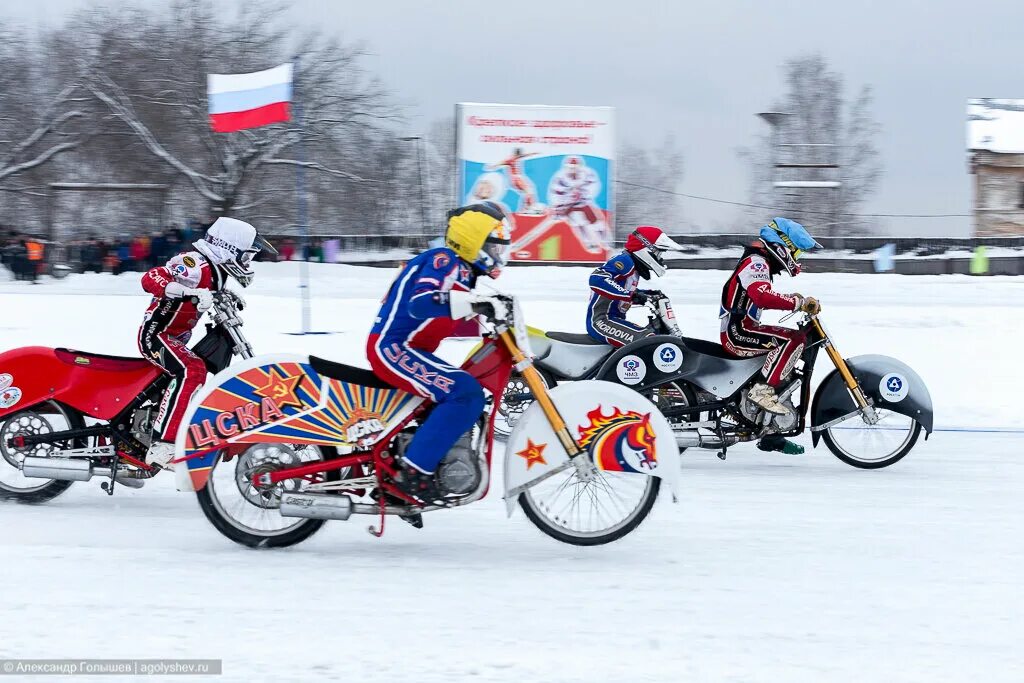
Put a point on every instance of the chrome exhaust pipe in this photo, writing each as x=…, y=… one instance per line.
x=72, y=469
x=316, y=506
x=695, y=440
x=65, y=469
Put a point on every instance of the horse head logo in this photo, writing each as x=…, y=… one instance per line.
x=621, y=442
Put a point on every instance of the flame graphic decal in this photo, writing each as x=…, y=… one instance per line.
x=620, y=442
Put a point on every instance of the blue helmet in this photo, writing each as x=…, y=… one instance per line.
x=787, y=240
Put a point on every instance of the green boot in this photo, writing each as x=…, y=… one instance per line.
x=773, y=443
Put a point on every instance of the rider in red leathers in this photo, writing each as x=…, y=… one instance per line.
x=748, y=292
x=182, y=291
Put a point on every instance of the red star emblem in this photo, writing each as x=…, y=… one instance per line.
x=281, y=389
x=534, y=453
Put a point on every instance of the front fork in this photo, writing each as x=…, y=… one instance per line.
x=524, y=366
x=865, y=407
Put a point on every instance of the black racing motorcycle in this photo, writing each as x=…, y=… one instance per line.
x=869, y=410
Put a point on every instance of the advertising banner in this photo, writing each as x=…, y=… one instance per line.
x=550, y=168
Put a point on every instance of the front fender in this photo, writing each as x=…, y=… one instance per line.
x=620, y=430
x=888, y=382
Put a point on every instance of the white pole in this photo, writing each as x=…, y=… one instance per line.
x=301, y=206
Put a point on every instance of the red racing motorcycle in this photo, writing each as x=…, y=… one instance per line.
x=68, y=416
x=277, y=445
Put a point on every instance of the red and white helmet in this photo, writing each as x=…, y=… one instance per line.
x=647, y=243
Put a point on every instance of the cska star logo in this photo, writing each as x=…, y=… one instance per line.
x=620, y=442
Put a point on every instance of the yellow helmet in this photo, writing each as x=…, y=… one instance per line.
x=480, y=235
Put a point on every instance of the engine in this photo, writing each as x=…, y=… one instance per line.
x=779, y=423
x=459, y=472
x=142, y=424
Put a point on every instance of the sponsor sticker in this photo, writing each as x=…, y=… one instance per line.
x=668, y=357
x=631, y=370
x=893, y=387
x=6, y=380
x=9, y=397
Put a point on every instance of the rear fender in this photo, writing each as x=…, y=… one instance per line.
x=620, y=430
x=280, y=399
x=888, y=382
x=34, y=374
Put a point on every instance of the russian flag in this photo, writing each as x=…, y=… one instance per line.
x=239, y=101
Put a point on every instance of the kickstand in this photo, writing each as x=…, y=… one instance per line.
x=720, y=433
x=382, y=500
x=108, y=486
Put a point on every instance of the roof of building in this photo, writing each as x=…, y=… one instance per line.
x=995, y=125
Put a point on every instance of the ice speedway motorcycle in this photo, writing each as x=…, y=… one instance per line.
x=68, y=416
x=277, y=445
x=869, y=410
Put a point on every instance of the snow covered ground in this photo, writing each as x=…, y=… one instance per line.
x=772, y=568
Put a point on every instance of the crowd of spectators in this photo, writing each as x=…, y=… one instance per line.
x=27, y=256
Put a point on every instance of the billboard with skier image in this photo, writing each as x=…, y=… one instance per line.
x=550, y=168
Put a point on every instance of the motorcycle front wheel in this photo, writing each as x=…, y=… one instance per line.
x=873, y=446
x=248, y=514
x=590, y=512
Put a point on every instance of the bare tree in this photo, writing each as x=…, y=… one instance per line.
x=37, y=115
x=821, y=128
x=149, y=70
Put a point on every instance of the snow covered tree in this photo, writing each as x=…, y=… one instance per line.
x=645, y=180
x=148, y=69
x=820, y=126
x=37, y=111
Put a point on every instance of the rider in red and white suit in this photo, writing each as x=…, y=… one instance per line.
x=182, y=291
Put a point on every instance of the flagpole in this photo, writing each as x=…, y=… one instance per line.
x=300, y=200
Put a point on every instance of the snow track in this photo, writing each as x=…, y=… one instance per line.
x=772, y=568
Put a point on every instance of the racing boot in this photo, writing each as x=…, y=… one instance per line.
x=764, y=397
x=160, y=454
x=777, y=444
x=417, y=484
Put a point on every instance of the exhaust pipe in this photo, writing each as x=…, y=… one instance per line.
x=72, y=469
x=65, y=469
x=316, y=506
x=695, y=440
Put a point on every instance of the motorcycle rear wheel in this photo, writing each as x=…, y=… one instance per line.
x=872, y=447
x=244, y=513
x=44, y=418
x=555, y=506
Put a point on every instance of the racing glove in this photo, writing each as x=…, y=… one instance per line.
x=642, y=296
x=467, y=304
x=809, y=305
x=204, y=297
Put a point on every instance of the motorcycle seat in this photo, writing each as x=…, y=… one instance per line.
x=348, y=373
x=570, y=356
x=574, y=338
x=709, y=348
x=99, y=361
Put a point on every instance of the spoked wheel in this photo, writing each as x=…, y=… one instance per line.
x=45, y=418
x=872, y=446
x=247, y=513
x=673, y=395
x=590, y=512
x=513, y=404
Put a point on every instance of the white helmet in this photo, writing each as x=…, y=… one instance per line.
x=230, y=245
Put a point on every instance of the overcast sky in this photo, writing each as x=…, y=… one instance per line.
x=698, y=70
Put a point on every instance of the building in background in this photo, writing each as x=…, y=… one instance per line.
x=995, y=145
